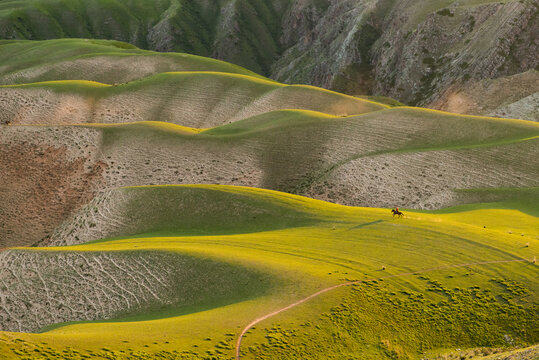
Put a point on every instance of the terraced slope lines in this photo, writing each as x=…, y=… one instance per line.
x=169, y=206
x=196, y=99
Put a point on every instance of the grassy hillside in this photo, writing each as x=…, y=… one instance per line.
x=150, y=25
x=403, y=157
x=42, y=19
x=417, y=315
x=520, y=354
x=104, y=61
x=201, y=28
x=193, y=210
x=422, y=54
x=196, y=99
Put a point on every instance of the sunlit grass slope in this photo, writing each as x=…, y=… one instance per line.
x=499, y=210
x=197, y=99
x=193, y=210
x=424, y=312
x=105, y=61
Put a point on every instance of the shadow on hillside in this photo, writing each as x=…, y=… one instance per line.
x=367, y=224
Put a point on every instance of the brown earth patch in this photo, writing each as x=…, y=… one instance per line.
x=490, y=96
x=41, y=186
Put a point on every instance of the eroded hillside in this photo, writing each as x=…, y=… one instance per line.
x=407, y=156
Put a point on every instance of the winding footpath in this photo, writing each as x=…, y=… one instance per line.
x=323, y=291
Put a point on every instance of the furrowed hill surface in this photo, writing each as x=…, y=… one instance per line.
x=421, y=54
x=180, y=289
x=405, y=156
x=68, y=168
x=196, y=99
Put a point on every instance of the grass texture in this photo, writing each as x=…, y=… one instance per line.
x=303, y=245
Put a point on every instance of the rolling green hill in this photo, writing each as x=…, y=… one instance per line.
x=164, y=25
x=201, y=28
x=104, y=61
x=431, y=305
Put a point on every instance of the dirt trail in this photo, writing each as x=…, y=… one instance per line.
x=323, y=291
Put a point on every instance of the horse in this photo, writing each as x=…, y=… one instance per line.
x=397, y=212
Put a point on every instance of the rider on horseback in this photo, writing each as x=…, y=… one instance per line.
x=397, y=212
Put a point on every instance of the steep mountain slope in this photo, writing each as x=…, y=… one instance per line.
x=502, y=97
x=166, y=292
x=403, y=156
x=410, y=51
x=419, y=54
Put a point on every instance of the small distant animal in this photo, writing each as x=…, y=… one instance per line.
x=397, y=213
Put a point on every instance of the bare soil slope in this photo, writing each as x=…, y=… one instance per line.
x=515, y=96
x=399, y=157
x=195, y=99
x=90, y=286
